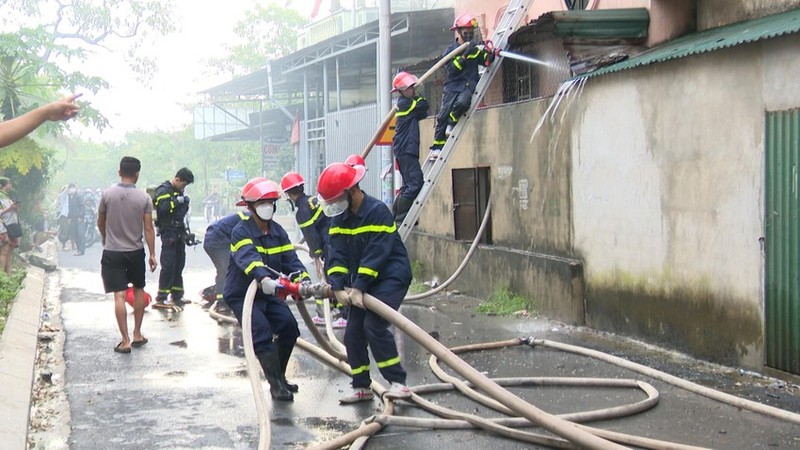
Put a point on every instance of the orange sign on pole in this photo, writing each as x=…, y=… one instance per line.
x=388, y=134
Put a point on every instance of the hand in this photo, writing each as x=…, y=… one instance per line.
x=151, y=261
x=268, y=285
x=63, y=109
x=357, y=298
x=342, y=297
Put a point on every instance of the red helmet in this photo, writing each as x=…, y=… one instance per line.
x=465, y=20
x=403, y=80
x=265, y=190
x=291, y=180
x=247, y=187
x=355, y=160
x=337, y=178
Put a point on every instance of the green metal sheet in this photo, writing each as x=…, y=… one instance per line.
x=625, y=23
x=782, y=241
x=711, y=40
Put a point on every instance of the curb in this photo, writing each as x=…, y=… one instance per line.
x=17, y=359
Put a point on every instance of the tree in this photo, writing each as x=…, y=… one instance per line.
x=35, y=61
x=64, y=32
x=266, y=33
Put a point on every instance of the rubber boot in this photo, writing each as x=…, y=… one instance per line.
x=401, y=207
x=272, y=370
x=283, y=357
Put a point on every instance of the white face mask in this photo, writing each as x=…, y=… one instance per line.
x=71, y=190
x=336, y=208
x=265, y=211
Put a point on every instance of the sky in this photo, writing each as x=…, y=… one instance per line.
x=205, y=27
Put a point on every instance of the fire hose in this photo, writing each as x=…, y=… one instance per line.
x=285, y=288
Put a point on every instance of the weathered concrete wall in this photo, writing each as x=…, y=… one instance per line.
x=668, y=176
x=653, y=178
x=530, y=209
x=715, y=13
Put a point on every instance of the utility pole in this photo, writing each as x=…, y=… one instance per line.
x=384, y=94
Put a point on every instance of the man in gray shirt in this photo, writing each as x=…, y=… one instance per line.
x=124, y=217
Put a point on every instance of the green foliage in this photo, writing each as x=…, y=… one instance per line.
x=503, y=302
x=162, y=154
x=10, y=285
x=266, y=33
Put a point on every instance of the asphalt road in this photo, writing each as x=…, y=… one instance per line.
x=187, y=388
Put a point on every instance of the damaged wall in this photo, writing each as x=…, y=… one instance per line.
x=648, y=189
x=530, y=209
x=668, y=183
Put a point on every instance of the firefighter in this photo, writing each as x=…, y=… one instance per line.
x=217, y=245
x=172, y=206
x=314, y=226
x=411, y=108
x=365, y=255
x=259, y=247
x=462, y=77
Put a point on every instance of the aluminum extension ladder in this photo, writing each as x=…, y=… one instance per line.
x=432, y=170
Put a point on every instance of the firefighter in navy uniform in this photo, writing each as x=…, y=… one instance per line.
x=366, y=255
x=172, y=206
x=217, y=245
x=314, y=226
x=462, y=78
x=411, y=108
x=256, y=245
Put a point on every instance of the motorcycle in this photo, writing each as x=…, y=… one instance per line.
x=92, y=235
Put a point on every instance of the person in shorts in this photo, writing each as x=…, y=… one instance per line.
x=124, y=218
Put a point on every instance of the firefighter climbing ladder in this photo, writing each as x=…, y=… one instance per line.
x=432, y=170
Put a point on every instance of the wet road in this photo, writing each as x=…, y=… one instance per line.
x=187, y=387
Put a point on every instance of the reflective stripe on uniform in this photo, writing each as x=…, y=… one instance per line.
x=367, y=271
x=252, y=266
x=338, y=269
x=242, y=215
x=274, y=250
x=387, y=363
x=362, y=369
x=240, y=244
x=365, y=229
x=313, y=219
x=410, y=108
x=457, y=63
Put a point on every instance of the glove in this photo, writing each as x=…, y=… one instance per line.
x=268, y=285
x=357, y=298
x=492, y=55
x=180, y=199
x=342, y=297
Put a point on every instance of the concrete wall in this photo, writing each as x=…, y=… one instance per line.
x=715, y=13
x=530, y=209
x=647, y=189
x=668, y=177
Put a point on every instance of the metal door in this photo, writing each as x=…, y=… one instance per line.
x=782, y=303
x=470, y=196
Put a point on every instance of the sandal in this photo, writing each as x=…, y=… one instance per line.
x=119, y=349
x=138, y=344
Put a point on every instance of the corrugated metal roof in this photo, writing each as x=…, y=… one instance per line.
x=622, y=23
x=711, y=40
